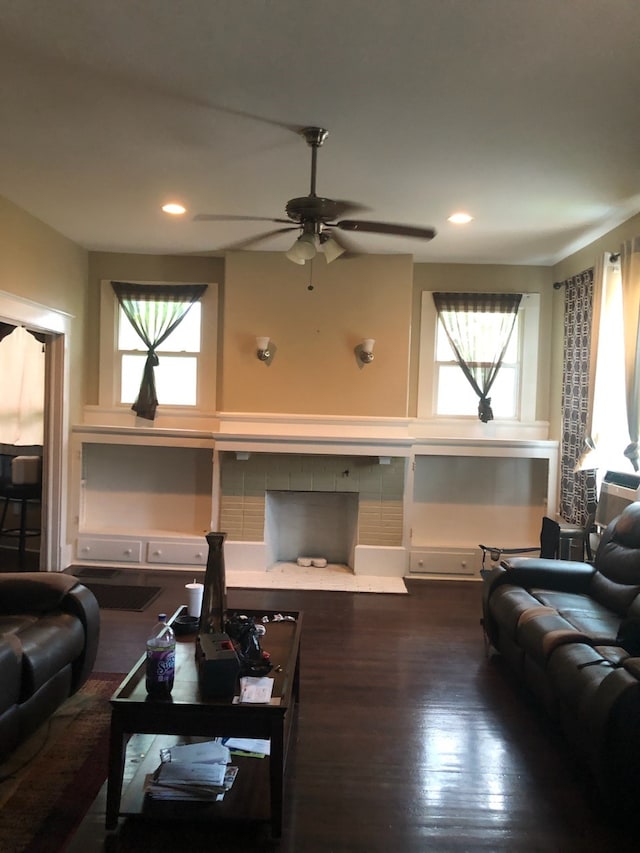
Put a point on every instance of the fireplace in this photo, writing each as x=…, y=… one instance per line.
x=276, y=507
x=311, y=524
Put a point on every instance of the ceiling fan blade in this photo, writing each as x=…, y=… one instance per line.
x=224, y=217
x=345, y=208
x=387, y=228
x=257, y=238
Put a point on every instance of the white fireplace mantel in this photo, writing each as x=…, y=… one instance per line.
x=153, y=533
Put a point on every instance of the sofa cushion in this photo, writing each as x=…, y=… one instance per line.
x=14, y=623
x=541, y=632
x=507, y=605
x=576, y=671
x=47, y=647
x=618, y=554
x=616, y=596
x=583, y=613
x=10, y=671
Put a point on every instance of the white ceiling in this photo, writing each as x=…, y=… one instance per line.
x=526, y=113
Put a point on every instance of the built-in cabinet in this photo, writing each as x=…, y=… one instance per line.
x=142, y=498
x=147, y=497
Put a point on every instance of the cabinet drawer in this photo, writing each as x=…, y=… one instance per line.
x=114, y=550
x=180, y=553
x=444, y=561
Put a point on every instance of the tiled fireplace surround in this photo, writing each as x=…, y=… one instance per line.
x=252, y=486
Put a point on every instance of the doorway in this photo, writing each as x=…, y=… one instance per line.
x=22, y=367
x=55, y=327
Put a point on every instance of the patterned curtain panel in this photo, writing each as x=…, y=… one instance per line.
x=578, y=492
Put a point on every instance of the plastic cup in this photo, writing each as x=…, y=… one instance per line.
x=195, y=592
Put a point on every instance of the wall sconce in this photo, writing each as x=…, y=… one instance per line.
x=365, y=350
x=263, y=352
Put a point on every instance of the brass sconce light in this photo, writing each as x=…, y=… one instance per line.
x=365, y=350
x=262, y=344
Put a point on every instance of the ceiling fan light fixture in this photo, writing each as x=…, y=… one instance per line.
x=303, y=249
x=331, y=249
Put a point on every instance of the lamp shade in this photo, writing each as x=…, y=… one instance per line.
x=303, y=249
x=331, y=250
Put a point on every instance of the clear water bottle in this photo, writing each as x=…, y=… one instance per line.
x=161, y=659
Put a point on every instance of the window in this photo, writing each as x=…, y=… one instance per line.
x=454, y=394
x=185, y=375
x=176, y=373
x=444, y=391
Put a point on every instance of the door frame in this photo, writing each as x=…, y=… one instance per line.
x=55, y=464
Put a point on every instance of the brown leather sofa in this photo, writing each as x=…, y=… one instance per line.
x=571, y=631
x=49, y=629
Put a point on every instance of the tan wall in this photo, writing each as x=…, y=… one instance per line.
x=39, y=264
x=585, y=258
x=314, y=369
x=491, y=278
x=128, y=267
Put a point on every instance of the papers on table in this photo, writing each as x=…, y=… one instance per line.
x=210, y=751
x=248, y=746
x=193, y=771
x=201, y=772
x=256, y=690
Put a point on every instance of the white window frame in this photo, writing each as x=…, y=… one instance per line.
x=529, y=319
x=109, y=382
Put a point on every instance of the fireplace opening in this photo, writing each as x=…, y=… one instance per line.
x=311, y=524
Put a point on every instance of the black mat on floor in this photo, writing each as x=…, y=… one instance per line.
x=91, y=572
x=117, y=596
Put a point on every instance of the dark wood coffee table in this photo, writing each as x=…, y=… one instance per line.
x=186, y=715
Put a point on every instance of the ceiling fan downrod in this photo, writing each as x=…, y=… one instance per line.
x=314, y=137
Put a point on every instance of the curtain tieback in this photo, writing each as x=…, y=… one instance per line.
x=485, y=412
x=631, y=452
x=152, y=358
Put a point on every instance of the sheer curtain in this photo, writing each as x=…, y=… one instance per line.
x=605, y=428
x=630, y=278
x=469, y=340
x=154, y=311
x=22, y=367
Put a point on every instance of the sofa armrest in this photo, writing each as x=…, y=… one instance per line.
x=33, y=592
x=563, y=575
x=82, y=603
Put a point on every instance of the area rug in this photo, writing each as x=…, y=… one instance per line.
x=118, y=596
x=43, y=803
x=332, y=578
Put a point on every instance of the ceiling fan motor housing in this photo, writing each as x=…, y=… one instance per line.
x=311, y=208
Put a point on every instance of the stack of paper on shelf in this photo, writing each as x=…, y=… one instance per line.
x=195, y=771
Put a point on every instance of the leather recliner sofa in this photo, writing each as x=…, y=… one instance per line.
x=49, y=630
x=571, y=631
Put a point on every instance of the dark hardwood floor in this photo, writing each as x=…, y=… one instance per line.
x=408, y=737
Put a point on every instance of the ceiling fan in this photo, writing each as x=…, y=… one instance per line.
x=316, y=217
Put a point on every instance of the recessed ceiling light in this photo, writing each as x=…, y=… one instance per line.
x=174, y=208
x=460, y=218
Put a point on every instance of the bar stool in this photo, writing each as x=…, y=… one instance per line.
x=25, y=488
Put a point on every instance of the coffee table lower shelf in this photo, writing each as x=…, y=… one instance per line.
x=248, y=799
